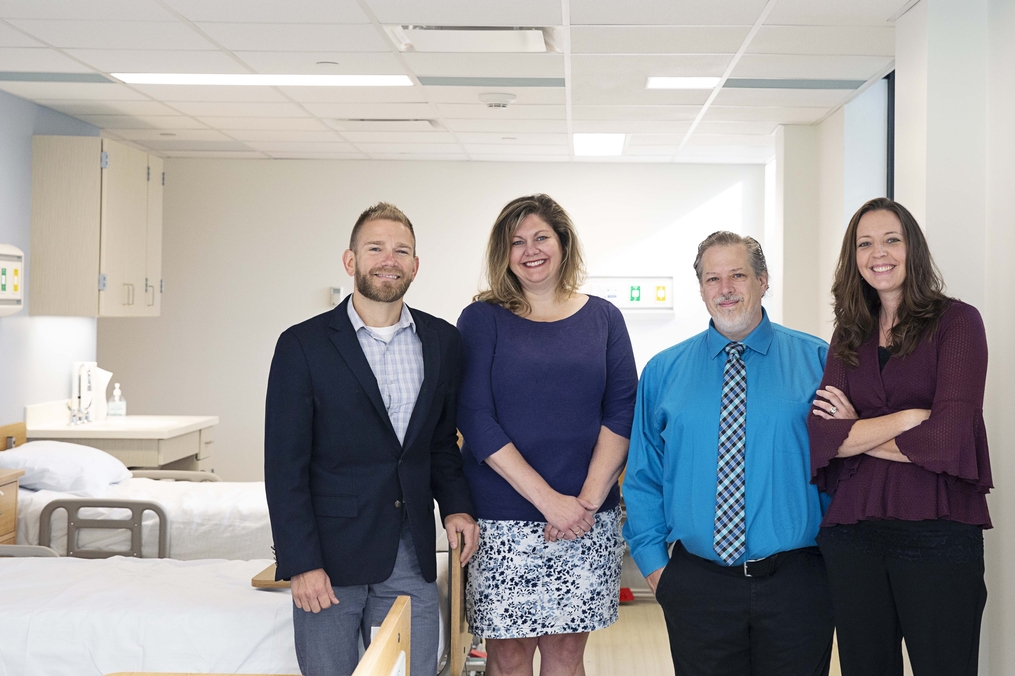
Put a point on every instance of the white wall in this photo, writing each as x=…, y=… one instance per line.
x=36, y=353
x=250, y=247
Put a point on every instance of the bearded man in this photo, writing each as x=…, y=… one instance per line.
x=719, y=473
x=360, y=438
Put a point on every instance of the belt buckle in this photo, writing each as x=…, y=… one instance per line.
x=746, y=573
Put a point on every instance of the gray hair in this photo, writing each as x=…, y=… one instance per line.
x=726, y=238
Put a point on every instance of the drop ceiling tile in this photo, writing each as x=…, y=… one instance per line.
x=246, y=109
x=265, y=123
x=114, y=34
x=724, y=154
x=813, y=67
x=167, y=135
x=420, y=157
x=396, y=125
x=634, y=112
x=855, y=40
x=271, y=11
x=157, y=61
x=626, y=159
x=506, y=126
x=485, y=65
x=136, y=122
x=723, y=127
x=370, y=111
x=481, y=112
x=281, y=136
x=355, y=94
x=854, y=12
x=650, y=150
x=398, y=137
x=126, y=10
x=524, y=95
x=133, y=108
x=294, y=37
x=781, y=97
x=349, y=63
x=740, y=140
x=657, y=39
x=209, y=94
x=72, y=91
x=505, y=149
x=512, y=139
x=9, y=37
x=467, y=13
x=38, y=60
x=665, y=140
x=296, y=147
x=672, y=12
x=185, y=144
x=278, y=155
x=632, y=126
x=520, y=158
x=613, y=79
x=428, y=148
x=765, y=114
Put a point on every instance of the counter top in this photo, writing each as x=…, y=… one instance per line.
x=126, y=427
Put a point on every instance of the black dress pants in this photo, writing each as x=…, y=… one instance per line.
x=918, y=580
x=722, y=623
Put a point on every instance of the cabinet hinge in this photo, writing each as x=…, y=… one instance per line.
x=149, y=173
x=104, y=160
x=102, y=280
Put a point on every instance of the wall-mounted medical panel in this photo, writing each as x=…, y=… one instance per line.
x=12, y=280
x=633, y=293
x=96, y=228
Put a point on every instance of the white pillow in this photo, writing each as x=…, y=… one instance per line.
x=68, y=468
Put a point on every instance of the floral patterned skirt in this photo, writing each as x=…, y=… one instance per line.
x=521, y=586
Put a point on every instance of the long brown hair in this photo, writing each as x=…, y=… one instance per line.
x=857, y=304
x=505, y=289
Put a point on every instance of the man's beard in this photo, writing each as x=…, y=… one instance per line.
x=378, y=291
x=732, y=323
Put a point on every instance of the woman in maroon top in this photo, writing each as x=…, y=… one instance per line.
x=898, y=441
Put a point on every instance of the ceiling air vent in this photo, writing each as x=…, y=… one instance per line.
x=497, y=100
x=495, y=39
x=378, y=124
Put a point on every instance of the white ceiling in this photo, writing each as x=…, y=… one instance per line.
x=607, y=51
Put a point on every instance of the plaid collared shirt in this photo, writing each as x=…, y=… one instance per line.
x=397, y=363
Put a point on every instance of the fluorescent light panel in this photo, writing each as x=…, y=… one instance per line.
x=598, y=145
x=257, y=80
x=682, y=83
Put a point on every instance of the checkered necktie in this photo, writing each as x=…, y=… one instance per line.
x=730, y=539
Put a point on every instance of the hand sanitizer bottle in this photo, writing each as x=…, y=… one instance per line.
x=117, y=405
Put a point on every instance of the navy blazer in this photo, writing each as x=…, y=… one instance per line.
x=336, y=476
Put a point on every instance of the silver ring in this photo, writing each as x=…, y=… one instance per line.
x=833, y=410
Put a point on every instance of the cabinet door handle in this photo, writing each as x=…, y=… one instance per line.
x=131, y=294
x=126, y=294
x=152, y=289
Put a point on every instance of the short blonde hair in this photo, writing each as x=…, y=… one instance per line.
x=504, y=288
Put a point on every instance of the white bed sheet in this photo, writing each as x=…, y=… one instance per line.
x=78, y=617
x=208, y=520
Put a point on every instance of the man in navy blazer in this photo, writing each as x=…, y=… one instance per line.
x=360, y=438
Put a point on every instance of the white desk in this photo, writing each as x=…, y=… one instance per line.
x=139, y=441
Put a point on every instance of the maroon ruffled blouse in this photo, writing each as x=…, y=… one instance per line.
x=949, y=474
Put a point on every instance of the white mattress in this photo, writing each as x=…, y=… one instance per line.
x=82, y=617
x=78, y=617
x=208, y=520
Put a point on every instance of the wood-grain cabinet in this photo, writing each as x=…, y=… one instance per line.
x=96, y=229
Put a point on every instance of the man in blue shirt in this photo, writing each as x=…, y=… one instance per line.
x=719, y=467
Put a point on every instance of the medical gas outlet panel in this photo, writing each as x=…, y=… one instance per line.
x=12, y=280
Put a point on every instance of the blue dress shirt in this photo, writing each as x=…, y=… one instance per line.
x=670, y=486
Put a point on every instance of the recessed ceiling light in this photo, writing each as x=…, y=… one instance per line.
x=257, y=80
x=598, y=145
x=475, y=39
x=682, y=83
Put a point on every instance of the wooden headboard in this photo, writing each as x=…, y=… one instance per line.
x=12, y=435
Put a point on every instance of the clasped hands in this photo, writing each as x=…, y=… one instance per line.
x=568, y=517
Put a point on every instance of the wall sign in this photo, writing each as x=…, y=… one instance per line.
x=633, y=293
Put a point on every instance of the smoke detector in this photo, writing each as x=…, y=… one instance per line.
x=497, y=100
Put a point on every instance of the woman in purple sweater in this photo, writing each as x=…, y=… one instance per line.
x=898, y=441
x=545, y=410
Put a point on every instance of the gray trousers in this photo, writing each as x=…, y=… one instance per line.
x=327, y=643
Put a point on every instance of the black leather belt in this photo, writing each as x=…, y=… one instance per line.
x=757, y=568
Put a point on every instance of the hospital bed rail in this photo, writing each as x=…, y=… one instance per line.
x=75, y=524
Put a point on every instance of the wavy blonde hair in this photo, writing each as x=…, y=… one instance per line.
x=504, y=288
